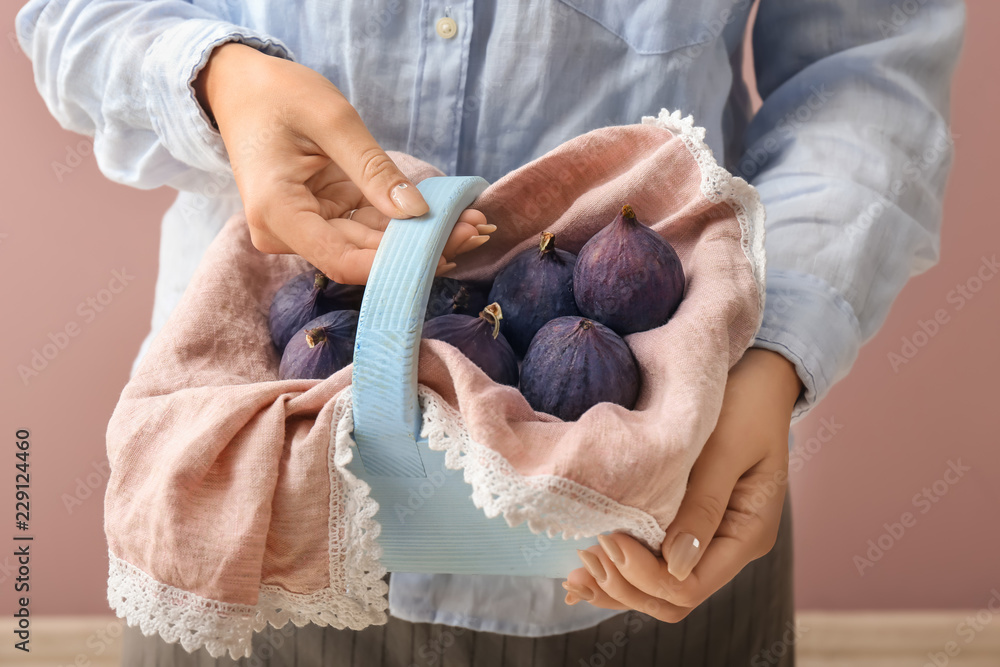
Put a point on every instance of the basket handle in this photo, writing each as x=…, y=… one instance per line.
x=387, y=419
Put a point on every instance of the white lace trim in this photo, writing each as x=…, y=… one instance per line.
x=363, y=570
x=548, y=503
x=355, y=599
x=718, y=185
x=178, y=615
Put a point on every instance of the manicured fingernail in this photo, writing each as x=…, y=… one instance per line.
x=472, y=244
x=582, y=592
x=408, y=199
x=446, y=268
x=683, y=555
x=486, y=229
x=612, y=549
x=593, y=565
x=571, y=599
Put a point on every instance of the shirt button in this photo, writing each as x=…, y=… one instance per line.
x=447, y=27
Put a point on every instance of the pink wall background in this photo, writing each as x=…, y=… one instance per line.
x=65, y=229
x=902, y=426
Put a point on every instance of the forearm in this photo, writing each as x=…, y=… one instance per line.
x=122, y=73
x=850, y=153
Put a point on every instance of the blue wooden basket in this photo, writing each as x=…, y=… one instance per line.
x=445, y=532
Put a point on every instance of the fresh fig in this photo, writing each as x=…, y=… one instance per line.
x=535, y=287
x=320, y=348
x=628, y=277
x=455, y=297
x=574, y=363
x=306, y=297
x=479, y=339
x=337, y=296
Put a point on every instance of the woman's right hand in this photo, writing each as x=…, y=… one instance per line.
x=303, y=160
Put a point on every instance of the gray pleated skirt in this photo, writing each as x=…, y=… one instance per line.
x=750, y=621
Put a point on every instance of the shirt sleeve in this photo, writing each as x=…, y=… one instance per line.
x=850, y=153
x=122, y=73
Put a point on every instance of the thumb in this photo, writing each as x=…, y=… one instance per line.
x=702, y=509
x=347, y=142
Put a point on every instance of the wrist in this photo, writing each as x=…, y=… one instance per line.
x=210, y=83
x=783, y=380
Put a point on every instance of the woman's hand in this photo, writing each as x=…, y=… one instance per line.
x=729, y=515
x=303, y=161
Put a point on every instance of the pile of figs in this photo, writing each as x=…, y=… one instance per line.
x=551, y=323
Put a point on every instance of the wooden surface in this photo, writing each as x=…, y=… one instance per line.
x=826, y=639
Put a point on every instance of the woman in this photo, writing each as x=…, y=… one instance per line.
x=285, y=110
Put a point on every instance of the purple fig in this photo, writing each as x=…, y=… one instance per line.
x=479, y=339
x=455, y=297
x=535, y=287
x=306, y=297
x=337, y=296
x=628, y=277
x=574, y=363
x=320, y=348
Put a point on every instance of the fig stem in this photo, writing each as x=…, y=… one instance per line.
x=627, y=212
x=547, y=242
x=493, y=315
x=320, y=281
x=315, y=336
x=586, y=324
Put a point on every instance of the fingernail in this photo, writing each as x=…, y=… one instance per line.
x=683, y=555
x=593, y=565
x=612, y=549
x=408, y=199
x=582, y=592
x=571, y=599
x=486, y=229
x=446, y=268
x=472, y=243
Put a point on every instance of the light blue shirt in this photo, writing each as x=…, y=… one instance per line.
x=850, y=151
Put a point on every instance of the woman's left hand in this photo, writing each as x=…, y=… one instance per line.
x=730, y=512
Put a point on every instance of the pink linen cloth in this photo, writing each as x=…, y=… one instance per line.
x=226, y=508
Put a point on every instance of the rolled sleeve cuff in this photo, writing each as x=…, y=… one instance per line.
x=809, y=323
x=169, y=69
